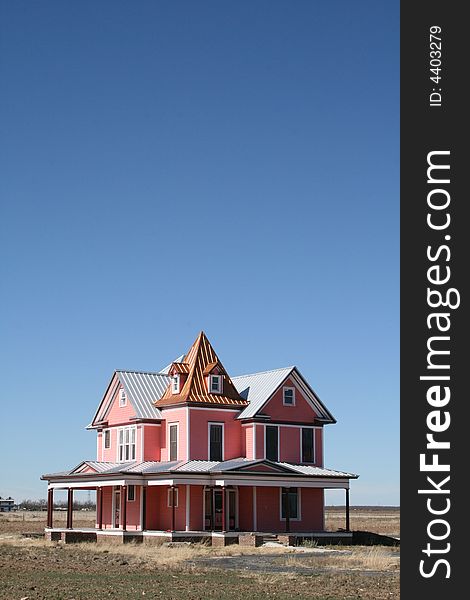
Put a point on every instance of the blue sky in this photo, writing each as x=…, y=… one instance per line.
x=169, y=167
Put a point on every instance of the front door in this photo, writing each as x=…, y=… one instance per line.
x=213, y=509
x=117, y=508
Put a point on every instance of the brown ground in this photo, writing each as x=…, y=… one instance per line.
x=34, y=569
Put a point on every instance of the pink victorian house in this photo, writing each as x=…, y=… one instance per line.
x=192, y=453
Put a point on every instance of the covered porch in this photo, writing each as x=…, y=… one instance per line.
x=218, y=510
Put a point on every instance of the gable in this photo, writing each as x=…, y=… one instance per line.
x=261, y=466
x=84, y=468
x=301, y=411
x=142, y=390
x=263, y=389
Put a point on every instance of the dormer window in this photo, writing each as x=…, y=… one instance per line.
x=288, y=396
x=175, y=384
x=122, y=398
x=215, y=384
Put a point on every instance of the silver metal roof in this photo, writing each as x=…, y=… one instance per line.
x=258, y=387
x=195, y=466
x=143, y=389
x=149, y=467
x=317, y=471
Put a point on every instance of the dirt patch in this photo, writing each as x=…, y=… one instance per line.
x=36, y=570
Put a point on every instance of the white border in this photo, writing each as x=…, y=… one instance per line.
x=209, y=423
x=172, y=423
x=278, y=441
x=284, y=389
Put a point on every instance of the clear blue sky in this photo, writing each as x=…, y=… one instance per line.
x=169, y=167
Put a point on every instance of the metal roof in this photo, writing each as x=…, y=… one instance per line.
x=143, y=389
x=194, y=388
x=258, y=387
x=196, y=466
x=318, y=471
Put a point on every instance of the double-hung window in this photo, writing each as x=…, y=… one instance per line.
x=216, y=440
x=173, y=435
x=288, y=396
x=107, y=438
x=215, y=384
x=272, y=442
x=308, y=451
x=126, y=444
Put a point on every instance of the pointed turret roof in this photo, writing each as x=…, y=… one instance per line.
x=200, y=356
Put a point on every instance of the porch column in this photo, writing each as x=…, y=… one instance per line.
x=124, y=507
x=143, y=490
x=99, y=507
x=173, y=507
x=255, y=519
x=347, y=509
x=50, y=506
x=224, y=528
x=188, y=505
x=286, y=490
x=69, y=508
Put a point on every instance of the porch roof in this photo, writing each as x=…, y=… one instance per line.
x=238, y=465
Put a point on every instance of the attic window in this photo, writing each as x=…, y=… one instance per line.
x=215, y=384
x=288, y=396
x=175, y=384
x=122, y=398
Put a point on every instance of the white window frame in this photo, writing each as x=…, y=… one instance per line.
x=177, y=425
x=299, y=505
x=131, y=428
x=108, y=432
x=220, y=379
x=128, y=489
x=175, y=384
x=314, y=435
x=209, y=438
x=177, y=497
x=284, y=390
x=122, y=398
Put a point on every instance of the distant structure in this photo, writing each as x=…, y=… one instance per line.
x=7, y=504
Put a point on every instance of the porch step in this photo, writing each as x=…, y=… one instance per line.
x=270, y=537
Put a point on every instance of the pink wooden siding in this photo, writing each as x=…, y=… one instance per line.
x=110, y=454
x=107, y=507
x=152, y=507
x=151, y=442
x=133, y=511
x=319, y=447
x=245, y=507
x=196, y=504
x=248, y=437
x=164, y=512
x=99, y=445
x=301, y=412
x=172, y=416
x=261, y=468
x=289, y=442
x=118, y=415
x=311, y=510
x=259, y=429
x=199, y=432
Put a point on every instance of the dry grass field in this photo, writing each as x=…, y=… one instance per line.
x=34, y=569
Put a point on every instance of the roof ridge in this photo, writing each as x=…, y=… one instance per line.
x=141, y=372
x=262, y=372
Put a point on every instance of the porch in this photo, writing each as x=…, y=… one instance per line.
x=217, y=512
